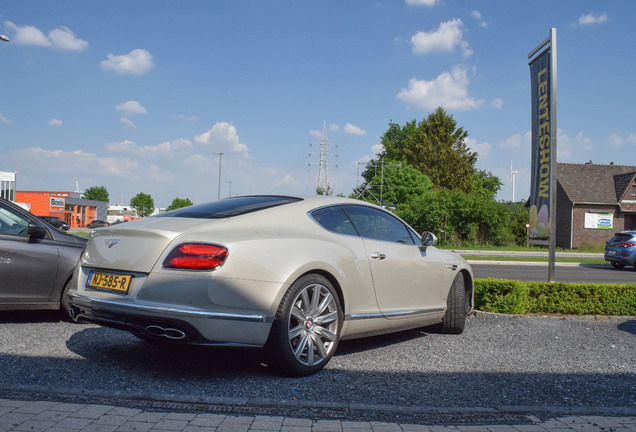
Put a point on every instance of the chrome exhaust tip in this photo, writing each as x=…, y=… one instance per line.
x=163, y=332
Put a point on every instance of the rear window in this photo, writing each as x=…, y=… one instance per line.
x=230, y=207
x=621, y=237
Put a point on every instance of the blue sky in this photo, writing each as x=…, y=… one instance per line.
x=138, y=96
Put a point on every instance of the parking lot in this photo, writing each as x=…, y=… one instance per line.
x=499, y=370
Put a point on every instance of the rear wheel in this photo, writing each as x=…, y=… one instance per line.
x=307, y=326
x=455, y=317
x=65, y=303
x=617, y=265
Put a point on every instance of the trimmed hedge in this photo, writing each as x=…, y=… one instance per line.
x=515, y=297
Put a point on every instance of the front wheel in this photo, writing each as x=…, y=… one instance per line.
x=456, y=307
x=306, y=329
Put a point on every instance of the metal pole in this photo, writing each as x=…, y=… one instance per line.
x=220, y=158
x=553, y=155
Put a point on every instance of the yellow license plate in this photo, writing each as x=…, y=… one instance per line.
x=109, y=281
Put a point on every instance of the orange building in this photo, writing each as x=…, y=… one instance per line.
x=68, y=206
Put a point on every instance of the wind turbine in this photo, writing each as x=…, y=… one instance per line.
x=513, y=176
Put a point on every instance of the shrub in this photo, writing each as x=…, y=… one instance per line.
x=515, y=297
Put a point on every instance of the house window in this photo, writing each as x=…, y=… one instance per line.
x=634, y=190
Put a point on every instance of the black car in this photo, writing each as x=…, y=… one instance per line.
x=97, y=224
x=56, y=222
x=36, y=261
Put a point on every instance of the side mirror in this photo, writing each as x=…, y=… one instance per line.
x=36, y=231
x=428, y=239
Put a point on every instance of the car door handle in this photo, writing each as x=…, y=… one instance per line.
x=378, y=256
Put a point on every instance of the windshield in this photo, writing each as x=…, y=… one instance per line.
x=230, y=207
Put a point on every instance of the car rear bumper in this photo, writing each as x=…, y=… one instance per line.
x=623, y=257
x=174, y=325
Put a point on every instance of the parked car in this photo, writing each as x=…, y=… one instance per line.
x=620, y=250
x=293, y=275
x=56, y=222
x=36, y=261
x=97, y=224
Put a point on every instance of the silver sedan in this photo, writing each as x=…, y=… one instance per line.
x=294, y=275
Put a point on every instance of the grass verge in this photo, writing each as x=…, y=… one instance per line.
x=516, y=297
x=534, y=259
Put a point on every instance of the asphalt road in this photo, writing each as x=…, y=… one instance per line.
x=564, y=272
x=499, y=361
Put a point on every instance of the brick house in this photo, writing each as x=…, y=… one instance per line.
x=594, y=201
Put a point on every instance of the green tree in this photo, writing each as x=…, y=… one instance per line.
x=438, y=149
x=394, y=183
x=143, y=203
x=97, y=193
x=322, y=191
x=178, y=203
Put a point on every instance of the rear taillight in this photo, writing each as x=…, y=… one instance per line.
x=196, y=256
x=626, y=244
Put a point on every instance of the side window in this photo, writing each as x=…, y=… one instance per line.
x=378, y=225
x=335, y=220
x=12, y=223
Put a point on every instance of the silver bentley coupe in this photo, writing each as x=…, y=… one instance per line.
x=292, y=275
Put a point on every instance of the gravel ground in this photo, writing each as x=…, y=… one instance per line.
x=499, y=361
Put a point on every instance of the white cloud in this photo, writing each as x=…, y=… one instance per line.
x=63, y=38
x=78, y=162
x=223, y=137
x=482, y=149
x=377, y=148
x=288, y=180
x=334, y=127
x=165, y=150
x=28, y=35
x=446, y=38
x=448, y=90
x=568, y=146
x=190, y=119
x=316, y=134
x=5, y=120
x=131, y=107
x=136, y=62
x=125, y=146
x=497, y=103
x=354, y=130
x=476, y=15
x=617, y=141
x=592, y=18
x=127, y=124
x=517, y=141
x=428, y=3
x=55, y=122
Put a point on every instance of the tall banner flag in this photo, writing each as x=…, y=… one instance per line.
x=542, y=203
x=541, y=154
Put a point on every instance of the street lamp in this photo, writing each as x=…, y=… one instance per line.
x=220, y=157
x=4, y=38
x=230, y=182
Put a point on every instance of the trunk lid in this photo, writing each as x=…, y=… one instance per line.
x=136, y=246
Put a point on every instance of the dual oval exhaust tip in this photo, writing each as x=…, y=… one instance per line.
x=165, y=332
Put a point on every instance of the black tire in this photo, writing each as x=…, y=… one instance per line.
x=65, y=303
x=617, y=265
x=306, y=330
x=455, y=317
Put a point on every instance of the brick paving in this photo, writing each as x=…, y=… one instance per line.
x=50, y=416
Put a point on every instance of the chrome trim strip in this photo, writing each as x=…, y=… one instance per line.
x=398, y=314
x=81, y=301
